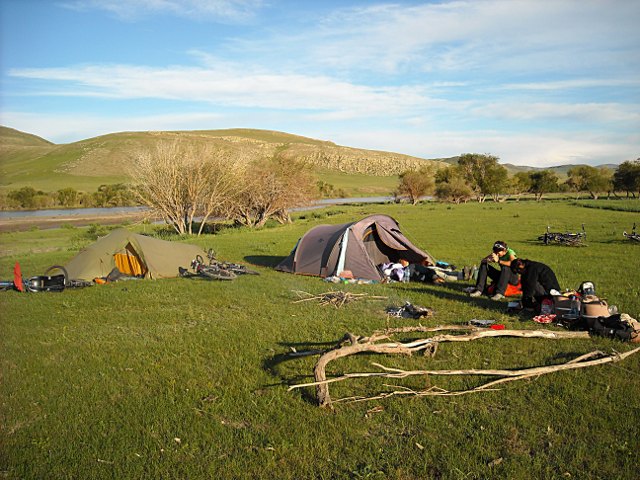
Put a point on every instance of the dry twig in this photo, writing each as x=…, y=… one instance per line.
x=335, y=298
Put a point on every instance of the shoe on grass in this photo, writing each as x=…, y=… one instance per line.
x=497, y=296
x=466, y=273
x=475, y=293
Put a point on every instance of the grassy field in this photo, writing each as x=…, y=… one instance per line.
x=180, y=379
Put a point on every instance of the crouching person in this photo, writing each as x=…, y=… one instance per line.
x=501, y=255
x=537, y=281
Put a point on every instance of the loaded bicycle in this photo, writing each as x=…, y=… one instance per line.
x=633, y=236
x=216, y=269
x=566, y=238
x=55, y=279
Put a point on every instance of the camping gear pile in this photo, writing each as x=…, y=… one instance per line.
x=409, y=311
x=582, y=309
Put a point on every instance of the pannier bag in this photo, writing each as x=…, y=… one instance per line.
x=562, y=307
x=593, y=307
x=45, y=283
x=620, y=326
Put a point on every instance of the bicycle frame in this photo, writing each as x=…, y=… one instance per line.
x=633, y=235
x=567, y=238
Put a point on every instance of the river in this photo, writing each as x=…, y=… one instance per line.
x=111, y=211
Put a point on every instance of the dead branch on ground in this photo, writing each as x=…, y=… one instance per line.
x=352, y=344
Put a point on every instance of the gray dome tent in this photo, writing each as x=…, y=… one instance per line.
x=359, y=247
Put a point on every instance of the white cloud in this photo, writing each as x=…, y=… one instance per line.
x=484, y=35
x=544, y=149
x=580, y=112
x=573, y=84
x=236, y=86
x=221, y=10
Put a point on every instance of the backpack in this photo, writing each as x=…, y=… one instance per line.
x=619, y=326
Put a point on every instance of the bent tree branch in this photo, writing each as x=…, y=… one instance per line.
x=355, y=345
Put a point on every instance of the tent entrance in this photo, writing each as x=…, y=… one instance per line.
x=377, y=250
x=130, y=263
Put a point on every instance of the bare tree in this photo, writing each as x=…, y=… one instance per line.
x=416, y=183
x=181, y=181
x=273, y=188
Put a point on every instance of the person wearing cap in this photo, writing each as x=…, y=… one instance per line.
x=537, y=281
x=503, y=256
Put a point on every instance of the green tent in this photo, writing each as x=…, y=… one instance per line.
x=132, y=254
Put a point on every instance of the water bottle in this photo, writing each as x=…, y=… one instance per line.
x=575, y=307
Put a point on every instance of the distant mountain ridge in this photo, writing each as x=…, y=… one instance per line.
x=24, y=155
x=27, y=159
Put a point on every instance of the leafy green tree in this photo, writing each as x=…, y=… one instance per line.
x=585, y=178
x=113, y=195
x=25, y=197
x=451, y=186
x=627, y=177
x=545, y=181
x=67, y=197
x=483, y=174
x=520, y=183
x=415, y=184
x=327, y=190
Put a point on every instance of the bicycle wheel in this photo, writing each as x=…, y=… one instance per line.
x=217, y=274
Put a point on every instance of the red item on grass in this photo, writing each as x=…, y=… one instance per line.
x=497, y=326
x=544, y=318
x=17, y=278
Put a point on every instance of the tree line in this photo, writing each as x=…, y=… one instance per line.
x=187, y=185
x=114, y=195
x=480, y=176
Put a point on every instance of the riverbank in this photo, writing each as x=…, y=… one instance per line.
x=21, y=224
x=20, y=221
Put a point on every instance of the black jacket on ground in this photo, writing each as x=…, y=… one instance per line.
x=537, y=280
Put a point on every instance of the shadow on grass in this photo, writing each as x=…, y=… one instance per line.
x=455, y=293
x=271, y=364
x=264, y=260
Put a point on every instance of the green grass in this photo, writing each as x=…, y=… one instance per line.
x=623, y=205
x=187, y=379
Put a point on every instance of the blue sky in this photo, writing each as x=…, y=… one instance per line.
x=540, y=82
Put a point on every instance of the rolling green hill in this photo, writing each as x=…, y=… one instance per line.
x=29, y=160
